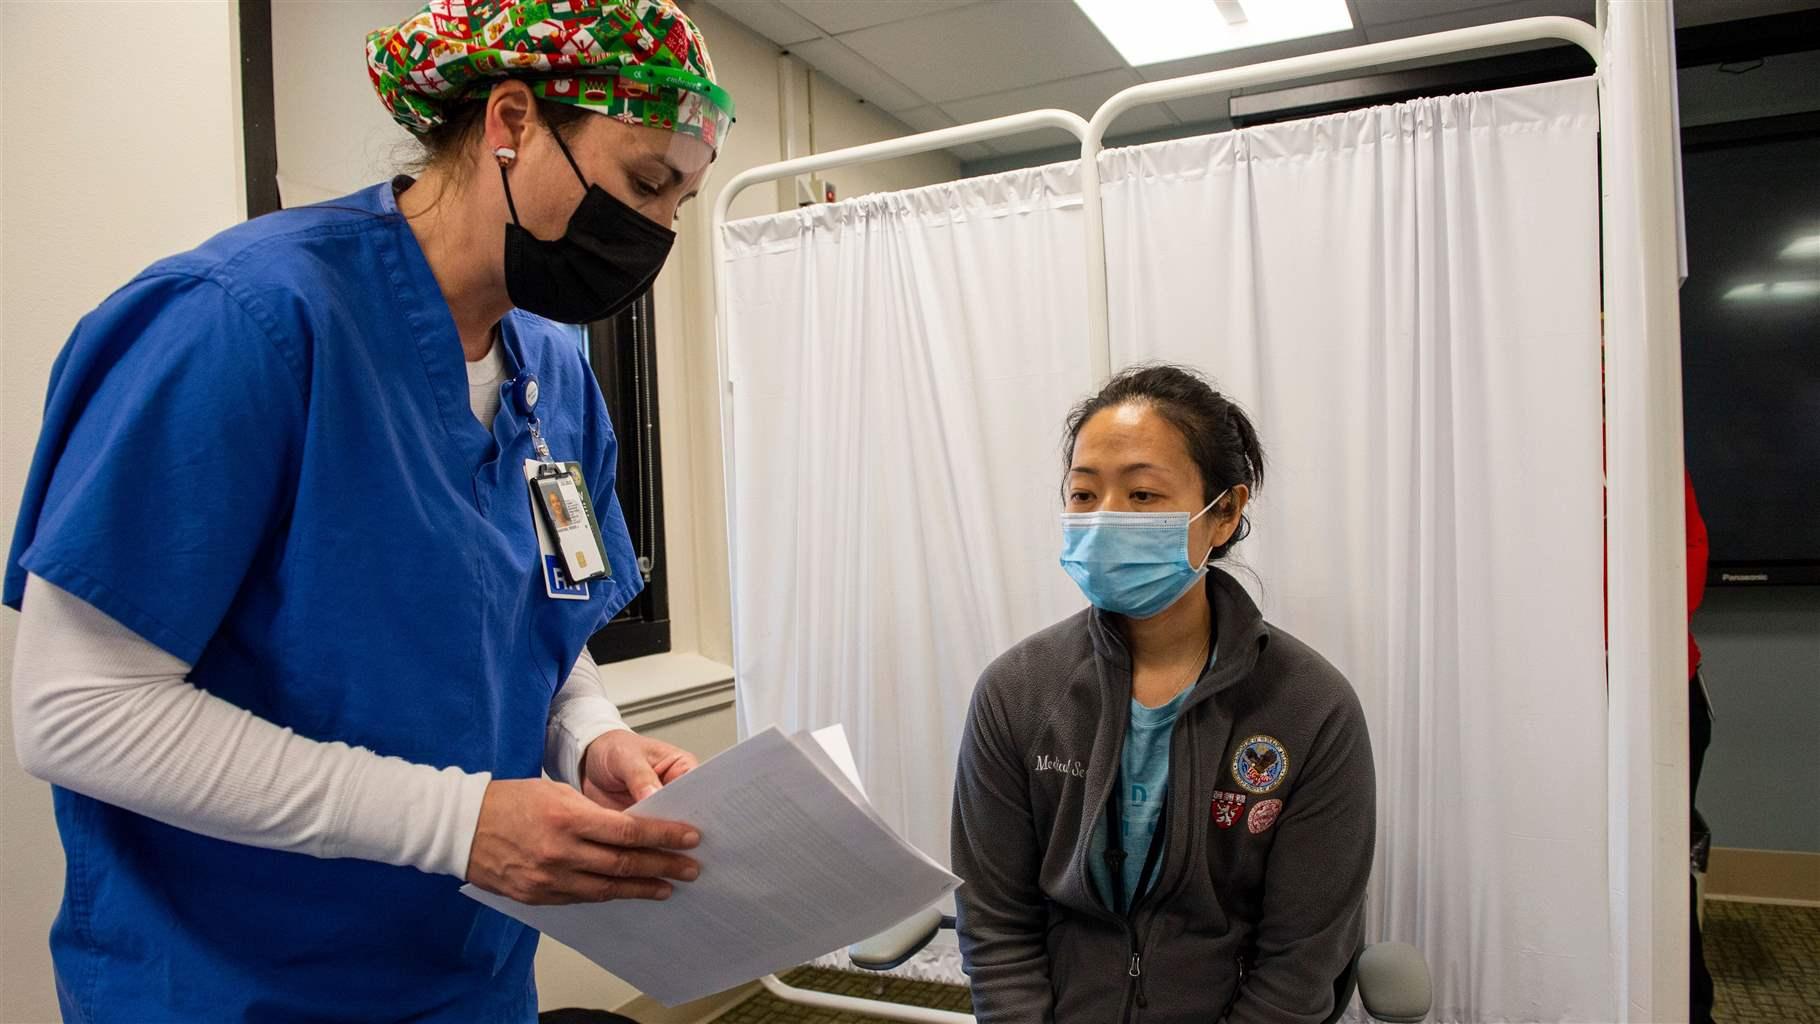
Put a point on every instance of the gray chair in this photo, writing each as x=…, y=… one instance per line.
x=1391, y=979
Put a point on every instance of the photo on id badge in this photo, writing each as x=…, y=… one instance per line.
x=568, y=534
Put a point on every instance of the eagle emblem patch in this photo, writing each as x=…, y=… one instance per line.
x=1260, y=764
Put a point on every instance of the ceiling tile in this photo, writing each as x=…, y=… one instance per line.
x=770, y=19
x=1083, y=95
x=974, y=151
x=925, y=119
x=1480, y=14
x=986, y=48
x=1383, y=12
x=928, y=119
x=853, y=71
x=1249, y=55
x=1038, y=139
x=1053, y=148
x=1212, y=106
x=835, y=16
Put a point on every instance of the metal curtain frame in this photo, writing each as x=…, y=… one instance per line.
x=1646, y=669
x=908, y=145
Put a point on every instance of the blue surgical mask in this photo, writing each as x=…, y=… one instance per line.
x=1132, y=563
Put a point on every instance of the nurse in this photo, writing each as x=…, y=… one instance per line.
x=297, y=641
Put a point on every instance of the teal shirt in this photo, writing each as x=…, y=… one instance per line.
x=1144, y=772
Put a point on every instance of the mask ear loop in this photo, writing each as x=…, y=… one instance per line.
x=573, y=166
x=1208, y=561
x=505, y=155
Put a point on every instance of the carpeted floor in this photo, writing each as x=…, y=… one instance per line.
x=1765, y=962
x=765, y=1008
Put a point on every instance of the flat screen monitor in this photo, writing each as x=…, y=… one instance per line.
x=1750, y=343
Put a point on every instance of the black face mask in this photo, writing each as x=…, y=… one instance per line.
x=606, y=258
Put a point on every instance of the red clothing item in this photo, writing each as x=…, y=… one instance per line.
x=1697, y=549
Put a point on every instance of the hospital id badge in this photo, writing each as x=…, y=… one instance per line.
x=568, y=535
x=562, y=498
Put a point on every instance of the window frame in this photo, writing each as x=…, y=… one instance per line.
x=622, y=352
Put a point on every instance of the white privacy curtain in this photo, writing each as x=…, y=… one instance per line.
x=901, y=366
x=1407, y=300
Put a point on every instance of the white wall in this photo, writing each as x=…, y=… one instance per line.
x=100, y=174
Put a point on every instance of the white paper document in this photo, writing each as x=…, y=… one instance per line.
x=795, y=863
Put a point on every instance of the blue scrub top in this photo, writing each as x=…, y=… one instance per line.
x=260, y=456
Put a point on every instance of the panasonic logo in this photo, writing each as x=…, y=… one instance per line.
x=1744, y=577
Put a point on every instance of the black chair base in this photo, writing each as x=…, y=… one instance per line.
x=576, y=1015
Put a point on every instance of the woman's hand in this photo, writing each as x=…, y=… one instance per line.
x=542, y=842
x=621, y=768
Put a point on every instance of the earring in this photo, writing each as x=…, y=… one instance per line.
x=505, y=155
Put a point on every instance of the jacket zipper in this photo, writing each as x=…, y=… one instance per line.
x=1135, y=996
x=1134, y=963
x=1233, y=999
x=1134, y=969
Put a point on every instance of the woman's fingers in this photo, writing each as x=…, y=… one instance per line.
x=628, y=862
x=617, y=828
x=542, y=842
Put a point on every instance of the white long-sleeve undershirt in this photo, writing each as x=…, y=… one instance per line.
x=100, y=710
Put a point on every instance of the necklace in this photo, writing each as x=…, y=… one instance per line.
x=1200, y=663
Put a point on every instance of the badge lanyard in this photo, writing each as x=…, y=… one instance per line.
x=524, y=395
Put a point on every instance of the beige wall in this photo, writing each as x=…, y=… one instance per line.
x=687, y=365
x=99, y=175
x=109, y=179
x=333, y=135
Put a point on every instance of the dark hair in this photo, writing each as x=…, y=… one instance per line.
x=446, y=142
x=1221, y=440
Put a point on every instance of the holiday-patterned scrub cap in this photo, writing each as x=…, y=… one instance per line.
x=638, y=61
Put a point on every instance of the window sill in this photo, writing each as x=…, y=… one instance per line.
x=665, y=687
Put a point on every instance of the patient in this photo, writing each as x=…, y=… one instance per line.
x=1164, y=806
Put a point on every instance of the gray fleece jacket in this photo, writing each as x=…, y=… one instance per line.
x=1257, y=899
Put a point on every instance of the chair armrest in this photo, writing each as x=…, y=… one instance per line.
x=1393, y=983
x=897, y=944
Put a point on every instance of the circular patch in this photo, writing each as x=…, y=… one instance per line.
x=1263, y=815
x=1260, y=764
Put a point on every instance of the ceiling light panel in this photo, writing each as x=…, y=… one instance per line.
x=1161, y=30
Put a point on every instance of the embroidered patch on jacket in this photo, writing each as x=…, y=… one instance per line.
x=1260, y=764
x=1263, y=815
x=1227, y=807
